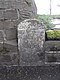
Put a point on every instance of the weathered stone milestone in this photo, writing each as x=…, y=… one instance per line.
x=31, y=36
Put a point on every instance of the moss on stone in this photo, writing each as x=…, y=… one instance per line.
x=53, y=34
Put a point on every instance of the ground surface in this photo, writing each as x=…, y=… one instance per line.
x=30, y=73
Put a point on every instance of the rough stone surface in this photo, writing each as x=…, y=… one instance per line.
x=8, y=24
x=11, y=45
x=25, y=9
x=30, y=73
x=12, y=12
x=31, y=37
x=10, y=34
x=1, y=36
x=52, y=52
x=1, y=46
x=51, y=45
x=1, y=25
x=40, y=73
x=8, y=58
x=53, y=58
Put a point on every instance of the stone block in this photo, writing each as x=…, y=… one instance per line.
x=1, y=40
x=1, y=36
x=10, y=33
x=10, y=58
x=31, y=37
x=52, y=45
x=9, y=24
x=1, y=14
x=3, y=4
x=10, y=14
x=1, y=25
x=11, y=45
x=7, y=4
x=1, y=46
x=52, y=58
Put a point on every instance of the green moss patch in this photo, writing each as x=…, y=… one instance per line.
x=53, y=34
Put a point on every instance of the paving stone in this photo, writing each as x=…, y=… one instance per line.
x=13, y=73
x=40, y=72
x=32, y=73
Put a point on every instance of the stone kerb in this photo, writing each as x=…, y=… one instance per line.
x=31, y=37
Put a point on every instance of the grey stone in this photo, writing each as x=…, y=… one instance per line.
x=52, y=45
x=10, y=33
x=6, y=58
x=1, y=25
x=32, y=73
x=52, y=52
x=1, y=46
x=9, y=58
x=1, y=40
x=52, y=58
x=1, y=14
x=31, y=37
x=10, y=14
x=8, y=24
x=22, y=6
x=40, y=72
x=1, y=36
x=11, y=45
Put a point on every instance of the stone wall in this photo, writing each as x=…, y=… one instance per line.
x=52, y=52
x=12, y=12
x=25, y=8
x=31, y=37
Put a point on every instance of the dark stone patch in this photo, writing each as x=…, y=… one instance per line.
x=30, y=73
x=3, y=73
x=40, y=73
x=52, y=59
